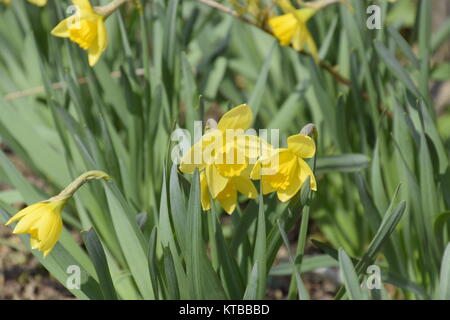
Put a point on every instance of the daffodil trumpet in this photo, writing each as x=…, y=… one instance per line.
x=43, y=220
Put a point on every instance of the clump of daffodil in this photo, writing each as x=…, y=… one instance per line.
x=87, y=27
x=43, y=220
x=224, y=156
x=283, y=170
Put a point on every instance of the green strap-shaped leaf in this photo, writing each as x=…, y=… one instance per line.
x=444, y=283
x=396, y=69
x=97, y=254
x=259, y=255
x=350, y=277
x=342, y=163
x=203, y=280
x=130, y=239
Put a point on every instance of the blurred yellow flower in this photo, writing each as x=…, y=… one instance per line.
x=43, y=220
x=86, y=28
x=224, y=157
x=6, y=2
x=291, y=28
x=286, y=171
x=39, y=3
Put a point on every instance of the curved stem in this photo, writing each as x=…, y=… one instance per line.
x=69, y=191
x=108, y=9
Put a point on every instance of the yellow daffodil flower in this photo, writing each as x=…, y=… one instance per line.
x=43, y=220
x=6, y=2
x=86, y=28
x=286, y=169
x=39, y=3
x=291, y=28
x=225, y=159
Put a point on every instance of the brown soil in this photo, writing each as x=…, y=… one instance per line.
x=21, y=275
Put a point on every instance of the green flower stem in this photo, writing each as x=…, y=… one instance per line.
x=69, y=191
x=301, y=241
x=109, y=9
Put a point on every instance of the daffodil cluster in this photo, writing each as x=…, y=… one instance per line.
x=228, y=160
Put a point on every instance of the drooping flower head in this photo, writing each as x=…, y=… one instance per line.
x=86, y=28
x=285, y=169
x=43, y=220
x=224, y=156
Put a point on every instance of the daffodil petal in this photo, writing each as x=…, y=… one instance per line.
x=239, y=117
x=253, y=147
x=229, y=203
x=205, y=198
x=292, y=189
x=94, y=54
x=266, y=187
x=245, y=186
x=216, y=182
x=53, y=232
x=301, y=145
x=197, y=156
x=27, y=223
x=188, y=162
x=62, y=29
x=305, y=172
x=256, y=171
x=19, y=215
x=283, y=28
x=102, y=34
